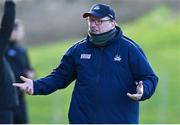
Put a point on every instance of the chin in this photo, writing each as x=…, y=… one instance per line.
x=95, y=32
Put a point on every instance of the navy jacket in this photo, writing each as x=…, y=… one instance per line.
x=103, y=77
x=8, y=95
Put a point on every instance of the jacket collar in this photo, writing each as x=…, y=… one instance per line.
x=118, y=36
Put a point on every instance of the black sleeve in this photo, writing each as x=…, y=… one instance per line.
x=6, y=25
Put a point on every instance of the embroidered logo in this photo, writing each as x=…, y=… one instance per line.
x=117, y=58
x=96, y=8
x=85, y=56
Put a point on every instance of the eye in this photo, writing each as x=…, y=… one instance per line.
x=99, y=21
x=92, y=20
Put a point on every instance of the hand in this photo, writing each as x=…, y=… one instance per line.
x=139, y=93
x=27, y=86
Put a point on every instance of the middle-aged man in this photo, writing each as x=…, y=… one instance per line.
x=8, y=95
x=111, y=71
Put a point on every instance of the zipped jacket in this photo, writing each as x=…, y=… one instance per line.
x=104, y=75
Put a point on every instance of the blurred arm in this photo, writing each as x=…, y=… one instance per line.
x=6, y=25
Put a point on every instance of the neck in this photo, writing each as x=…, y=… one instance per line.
x=103, y=38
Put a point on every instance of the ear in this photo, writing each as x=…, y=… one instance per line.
x=113, y=23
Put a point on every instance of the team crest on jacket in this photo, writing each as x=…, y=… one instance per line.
x=117, y=58
x=85, y=56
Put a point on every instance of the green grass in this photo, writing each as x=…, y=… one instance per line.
x=158, y=33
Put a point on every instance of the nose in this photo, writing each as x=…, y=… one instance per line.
x=92, y=24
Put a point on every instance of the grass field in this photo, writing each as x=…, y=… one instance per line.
x=158, y=34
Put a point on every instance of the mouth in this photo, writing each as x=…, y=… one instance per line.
x=94, y=30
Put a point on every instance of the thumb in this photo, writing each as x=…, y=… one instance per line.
x=140, y=87
x=140, y=83
x=24, y=78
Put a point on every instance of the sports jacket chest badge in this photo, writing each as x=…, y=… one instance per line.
x=117, y=58
x=85, y=56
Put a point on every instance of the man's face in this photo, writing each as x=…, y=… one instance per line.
x=100, y=25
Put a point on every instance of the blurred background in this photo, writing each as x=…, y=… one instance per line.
x=52, y=26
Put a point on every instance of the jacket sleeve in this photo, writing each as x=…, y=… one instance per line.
x=6, y=25
x=142, y=71
x=60, y=78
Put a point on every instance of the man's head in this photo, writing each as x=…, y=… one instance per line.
x=18, y=31
x=101, y=18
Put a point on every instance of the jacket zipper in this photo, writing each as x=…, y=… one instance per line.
x=100, y=50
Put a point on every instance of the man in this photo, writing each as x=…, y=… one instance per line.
x=8, y=95
x=18, y=59
x=112, y=74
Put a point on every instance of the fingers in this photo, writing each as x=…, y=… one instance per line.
x=24, y=78
x=140, y=88
x=139, y=93
x=27, y=86
x=135, y=97
x=24, y=87
x=19, y=85
x=28, y=91
x=140, y=83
